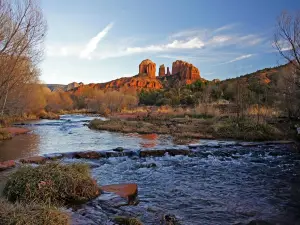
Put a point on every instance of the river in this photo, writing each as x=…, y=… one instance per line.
x=225, y=183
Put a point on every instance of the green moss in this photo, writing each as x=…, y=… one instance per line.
x=127, y=221
x=21, y=214
x=51, y=183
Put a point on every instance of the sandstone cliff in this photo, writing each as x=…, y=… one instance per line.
x=148, y=67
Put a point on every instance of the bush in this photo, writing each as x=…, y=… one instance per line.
x=51, y=183
x=19, y=214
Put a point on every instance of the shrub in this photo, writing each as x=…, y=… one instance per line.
x=51, y=183
x=20, y=214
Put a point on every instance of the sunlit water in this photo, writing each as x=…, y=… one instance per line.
x=223, y=184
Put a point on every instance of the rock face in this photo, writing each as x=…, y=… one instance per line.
x=148, y=67
x=186, y=71
x=162, y=70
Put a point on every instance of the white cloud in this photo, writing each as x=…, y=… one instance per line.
x=194, y=43
x=239, y=58
x=225, y=27
x=93, y=43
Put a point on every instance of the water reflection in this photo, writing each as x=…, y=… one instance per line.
x=20, y=146
x=69, y=134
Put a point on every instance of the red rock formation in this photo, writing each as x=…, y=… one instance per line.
x=162, y=70
x=186, y=71
x=148, y=67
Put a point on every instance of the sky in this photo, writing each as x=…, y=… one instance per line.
x=93, y=41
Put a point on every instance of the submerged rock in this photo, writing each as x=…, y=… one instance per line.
x=148, y=165
x=122, y=220
x=169, y=220
x=118, y=149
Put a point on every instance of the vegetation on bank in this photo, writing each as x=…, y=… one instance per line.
x=51, y=184
x=188, y=127
x=31, y=214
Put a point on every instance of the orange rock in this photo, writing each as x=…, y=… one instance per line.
x=128, y=191
x=34, y=159
x=148, y=67
x=161, y=71
x=7, y=165
x=187, y=72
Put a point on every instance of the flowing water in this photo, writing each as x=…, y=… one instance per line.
x=224, y=183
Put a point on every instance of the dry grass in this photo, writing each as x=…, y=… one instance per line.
x=4, y=135
x=21, y=214
x=51, y=184
x=246, y=129
x=48, y=115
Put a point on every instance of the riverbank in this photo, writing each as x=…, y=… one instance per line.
x=187, y=128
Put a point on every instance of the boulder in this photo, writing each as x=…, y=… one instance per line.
x=128, y=191
x=147, y=67
x=34, y=159
x=7, y=165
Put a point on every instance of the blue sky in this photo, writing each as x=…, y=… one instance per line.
x=101, y=40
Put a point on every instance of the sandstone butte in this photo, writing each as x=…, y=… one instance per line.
x=182, y=72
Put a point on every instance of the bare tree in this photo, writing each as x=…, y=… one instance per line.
x=287, y=38
x=22, y=32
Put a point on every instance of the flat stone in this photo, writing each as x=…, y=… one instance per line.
x=87, y=155
x=7, y=165
x=34, y=159
x=128, y=191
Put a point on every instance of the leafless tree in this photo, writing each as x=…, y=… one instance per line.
x=22, y=31
x=287, y=38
